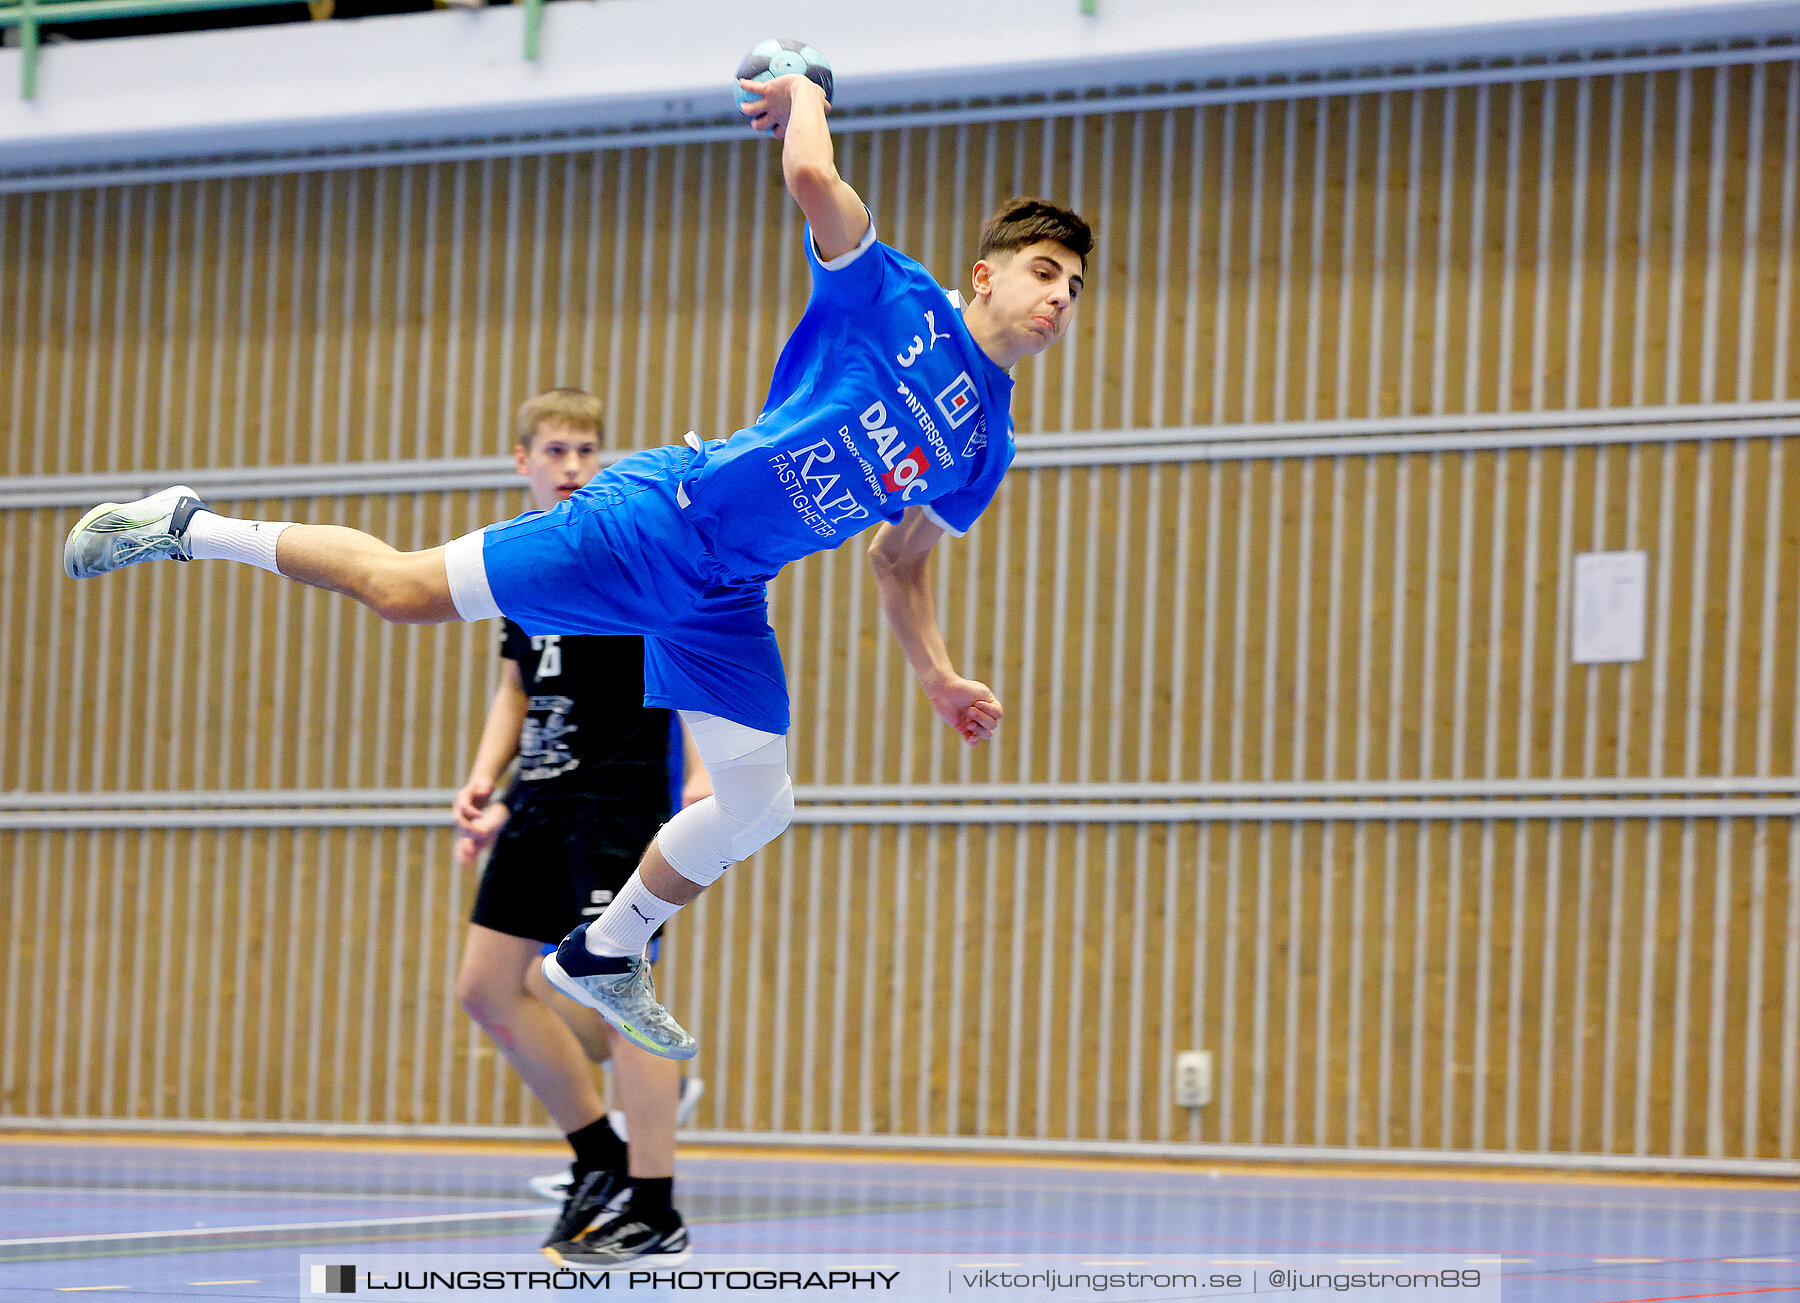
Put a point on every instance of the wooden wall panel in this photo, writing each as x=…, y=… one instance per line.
x=1589, y=243
x=1370, y=985
x=1611, y=986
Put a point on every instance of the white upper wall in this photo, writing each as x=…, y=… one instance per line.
x=460, y=73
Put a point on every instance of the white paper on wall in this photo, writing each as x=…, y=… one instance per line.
x=1610, y=604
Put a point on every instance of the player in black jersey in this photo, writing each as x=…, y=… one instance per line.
x=593, y=786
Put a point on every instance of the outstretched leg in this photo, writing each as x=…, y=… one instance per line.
x=404, y=587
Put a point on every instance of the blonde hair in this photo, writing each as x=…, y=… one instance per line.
x=575, y=408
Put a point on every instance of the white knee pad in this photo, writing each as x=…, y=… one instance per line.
x=752, y=802
x=766, y=818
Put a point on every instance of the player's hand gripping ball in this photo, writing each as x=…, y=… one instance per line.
x=778, y=57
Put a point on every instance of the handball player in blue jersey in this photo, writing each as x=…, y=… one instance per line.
x=889, y=407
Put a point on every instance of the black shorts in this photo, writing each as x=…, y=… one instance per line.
x=558, y=862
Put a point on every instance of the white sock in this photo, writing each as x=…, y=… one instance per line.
x=625, y=928
x=212, y=537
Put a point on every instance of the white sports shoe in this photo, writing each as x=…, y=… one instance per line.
x=118, y=534
x=554, y=1186
x=621, y=990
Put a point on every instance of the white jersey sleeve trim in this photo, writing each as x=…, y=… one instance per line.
x=940, y=522
x=466, y=569
x=843, y=260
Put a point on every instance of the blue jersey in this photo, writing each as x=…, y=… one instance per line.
x=881, y=400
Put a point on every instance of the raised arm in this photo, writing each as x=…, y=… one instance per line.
x=793, y=109
x=898, y=556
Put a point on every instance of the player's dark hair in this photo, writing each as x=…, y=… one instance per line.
x=575, y=408
x=1023, y=222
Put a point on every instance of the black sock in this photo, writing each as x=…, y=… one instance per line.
x=652, y=1194
x=597, y=1146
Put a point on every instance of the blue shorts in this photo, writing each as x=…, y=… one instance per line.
x=620, y=557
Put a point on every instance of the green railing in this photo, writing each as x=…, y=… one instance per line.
x=29, y=16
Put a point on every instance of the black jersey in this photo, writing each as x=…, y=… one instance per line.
x=587, y=731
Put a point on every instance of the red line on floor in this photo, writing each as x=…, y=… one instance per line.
x=1730, y=1293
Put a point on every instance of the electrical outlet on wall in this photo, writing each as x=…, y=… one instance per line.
x=1193, y=1079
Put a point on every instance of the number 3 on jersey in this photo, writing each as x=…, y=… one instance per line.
x=549, y=649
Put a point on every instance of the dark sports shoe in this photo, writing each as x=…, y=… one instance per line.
x=586, y=1200
x=661, y=1239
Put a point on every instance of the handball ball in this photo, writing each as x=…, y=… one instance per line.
x=777, y=57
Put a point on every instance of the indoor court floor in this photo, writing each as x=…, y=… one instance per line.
x=238, y=1219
